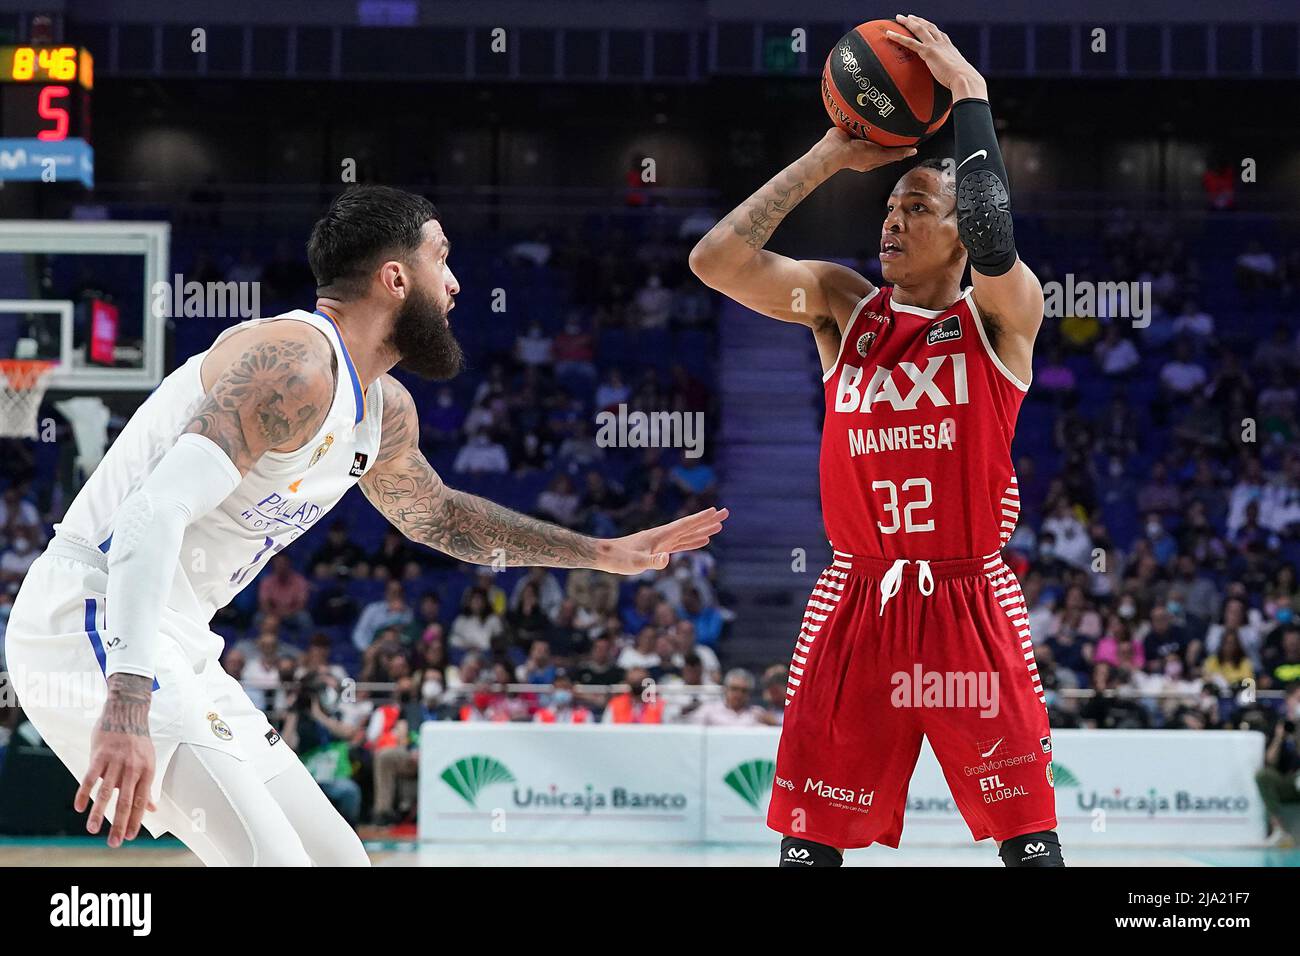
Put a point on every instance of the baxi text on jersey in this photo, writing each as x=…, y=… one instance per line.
x=941, y=382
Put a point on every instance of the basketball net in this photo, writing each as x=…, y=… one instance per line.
x=22, y=386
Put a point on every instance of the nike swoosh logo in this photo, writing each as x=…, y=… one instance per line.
x=981, y=153
x=994, y=747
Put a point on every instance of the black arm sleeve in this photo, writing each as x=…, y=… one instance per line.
x=983, y=199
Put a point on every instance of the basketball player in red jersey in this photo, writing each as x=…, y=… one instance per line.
x=917, y=628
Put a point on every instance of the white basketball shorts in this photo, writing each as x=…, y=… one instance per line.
x=55, y=652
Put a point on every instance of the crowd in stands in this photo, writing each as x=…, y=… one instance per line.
x=1158, y=547
x=1159, y=474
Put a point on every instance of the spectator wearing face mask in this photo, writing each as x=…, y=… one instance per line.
x=1049, y=563
x=561, y=708
x=17, y=558
x=672, y=582
x=1200, y=596
x=313, y=728
x=1163, y=544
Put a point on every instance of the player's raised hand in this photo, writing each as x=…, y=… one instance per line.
x=121, y=759
x=651, y=548
x=838, y=150
x=940, y=54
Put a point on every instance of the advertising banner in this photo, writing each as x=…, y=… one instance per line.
x=1117, y=788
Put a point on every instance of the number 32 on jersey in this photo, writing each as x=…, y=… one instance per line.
x=907, y=519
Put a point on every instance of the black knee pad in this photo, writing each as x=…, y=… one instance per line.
x=797, y=852
x=1032, y=849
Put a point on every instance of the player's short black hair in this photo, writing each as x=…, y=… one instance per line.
x=364, y=226
x=946, y=167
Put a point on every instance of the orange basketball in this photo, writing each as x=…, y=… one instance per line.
x=874, y=89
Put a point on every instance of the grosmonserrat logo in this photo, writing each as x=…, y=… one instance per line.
x=469, y=775
x=752, y=780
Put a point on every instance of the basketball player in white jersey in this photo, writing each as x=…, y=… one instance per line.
x=237, y=453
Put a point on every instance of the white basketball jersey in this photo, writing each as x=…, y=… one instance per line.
x=283, y=496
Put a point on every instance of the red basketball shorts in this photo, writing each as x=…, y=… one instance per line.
x=893, y=651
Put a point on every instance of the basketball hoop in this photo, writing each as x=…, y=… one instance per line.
x=22, y=386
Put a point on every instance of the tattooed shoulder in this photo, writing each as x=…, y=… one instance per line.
x=272, y=396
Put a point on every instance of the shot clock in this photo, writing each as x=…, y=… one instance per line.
x=45, y=127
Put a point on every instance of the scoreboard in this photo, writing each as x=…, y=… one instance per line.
x=45, y=124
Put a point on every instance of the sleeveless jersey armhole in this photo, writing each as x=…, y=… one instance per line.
x=1009, y=375
x=844, y=336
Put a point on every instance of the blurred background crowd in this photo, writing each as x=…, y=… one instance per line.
x=1158, y=466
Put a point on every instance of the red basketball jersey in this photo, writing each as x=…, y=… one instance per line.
x=916, y=448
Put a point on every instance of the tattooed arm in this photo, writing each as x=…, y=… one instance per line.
x=731, y=257
x=403, y=486
x=267, y=388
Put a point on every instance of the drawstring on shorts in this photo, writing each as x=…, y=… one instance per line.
x=892, y=580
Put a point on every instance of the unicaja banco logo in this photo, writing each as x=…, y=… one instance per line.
x=469, y=775
x=752, y=780
x=1061, y=777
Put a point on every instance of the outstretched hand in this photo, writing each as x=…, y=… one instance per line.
x=652, y=548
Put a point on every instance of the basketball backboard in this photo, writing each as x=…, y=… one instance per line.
x=82, y=294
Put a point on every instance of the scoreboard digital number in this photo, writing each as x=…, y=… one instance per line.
x=47, y=64
x=45, y=94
